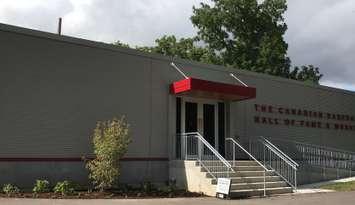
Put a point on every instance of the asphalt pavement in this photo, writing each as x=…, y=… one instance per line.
x=332, y=198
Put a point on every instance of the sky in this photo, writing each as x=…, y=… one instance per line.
x=320, y=32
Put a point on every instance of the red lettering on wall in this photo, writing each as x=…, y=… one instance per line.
x=264, y=121
x=270, y=109
x=281, y=110
x=308, y=114
x=256, y=106
x=320, y=114
x=263, y=108
x=256, y=119
x=276, y=121
x=293, y=111
x=327, y=126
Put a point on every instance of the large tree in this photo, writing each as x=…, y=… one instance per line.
x=185, y=48
x=244, y=34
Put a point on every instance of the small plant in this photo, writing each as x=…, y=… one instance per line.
x=170, y=189
x=65, y=188
x=110, y=143
x=147, y=187
x=10, y=189
x=172, y=186
x=41, y=186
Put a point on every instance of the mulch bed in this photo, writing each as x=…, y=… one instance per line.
x=104, y=195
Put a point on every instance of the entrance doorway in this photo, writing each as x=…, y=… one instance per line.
x=201, y=116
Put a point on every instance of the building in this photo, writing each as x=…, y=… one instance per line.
x=54, y=88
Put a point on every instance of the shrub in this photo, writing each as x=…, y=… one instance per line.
x=64, y=188
x=172, y=186
x=147, y=187
x=110, y=143
x=41, y=186
x=10, y=189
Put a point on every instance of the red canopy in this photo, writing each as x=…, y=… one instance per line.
x=207, y=89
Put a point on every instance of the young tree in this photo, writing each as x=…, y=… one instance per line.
x=110, y=143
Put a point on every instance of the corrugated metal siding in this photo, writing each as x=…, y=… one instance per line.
x=53, y=93
x=282, y=94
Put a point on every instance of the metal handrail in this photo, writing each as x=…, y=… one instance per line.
x=204, y=141
x=252, y=157
x=282, y=156
x=279, y=152
x=321, y=147
x=273, y=158
x=211, y=149
x=285, y=158
x=326, y=157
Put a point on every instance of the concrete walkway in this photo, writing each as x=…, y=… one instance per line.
x=333, y=198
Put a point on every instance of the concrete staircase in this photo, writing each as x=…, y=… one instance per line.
x=248, y=179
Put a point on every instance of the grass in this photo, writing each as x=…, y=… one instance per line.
x=341, y=186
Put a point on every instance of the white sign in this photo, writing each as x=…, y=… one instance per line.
x=223, y=185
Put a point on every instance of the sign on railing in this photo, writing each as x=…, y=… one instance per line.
x=223, y=187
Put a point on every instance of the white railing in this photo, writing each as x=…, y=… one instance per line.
x=326, y=157
x=235, y=146
x=283, y=165
x=195, y=147
x=271, y=157
x=319, y=156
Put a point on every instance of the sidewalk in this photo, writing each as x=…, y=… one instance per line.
x=333, y=198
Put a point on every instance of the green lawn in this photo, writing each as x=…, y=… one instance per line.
x=341, y=186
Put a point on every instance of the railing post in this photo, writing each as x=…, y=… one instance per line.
x=264, y=182
x=350, y=167
x=233, y=154
x=182, y=147
x=185, y=147
x=199, y=153
x=295, y=179
x=264, y=156
x=249, y=147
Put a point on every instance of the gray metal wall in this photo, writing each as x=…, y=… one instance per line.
x=52, y=93
x=281, y=93
x=53, y=90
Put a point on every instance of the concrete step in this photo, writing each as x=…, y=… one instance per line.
x=244, y=163
x=237, y=168
x=251, y=179
x=240, y=174
x=248, y=168
x=257, y=185
x=236, y=163
x=259, y=192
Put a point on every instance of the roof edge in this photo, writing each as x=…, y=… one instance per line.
x=130, y=51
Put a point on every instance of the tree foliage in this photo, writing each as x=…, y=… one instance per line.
x=308, y=74
x=244, y=34
x=120, y=44
x=110, y=141
x=184, y=48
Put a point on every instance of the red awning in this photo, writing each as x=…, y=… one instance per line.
x=207, y=89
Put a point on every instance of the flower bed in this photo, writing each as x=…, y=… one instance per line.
x=105, y=195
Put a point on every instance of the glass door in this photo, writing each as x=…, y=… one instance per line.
x=200, y=115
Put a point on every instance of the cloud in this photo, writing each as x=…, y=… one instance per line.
x=36, y=14
x=320, y=31
x=137, y=22
x=341, y=85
